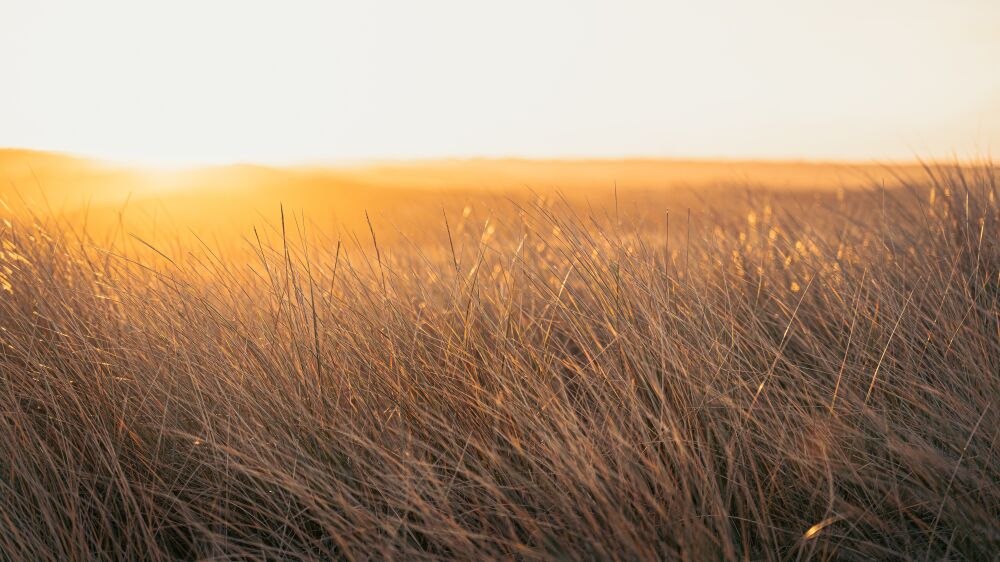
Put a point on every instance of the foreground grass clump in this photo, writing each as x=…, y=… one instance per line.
x=778, y=381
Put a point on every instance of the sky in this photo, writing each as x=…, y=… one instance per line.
x=215, y=81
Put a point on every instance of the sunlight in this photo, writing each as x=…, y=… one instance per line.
x=219, y=82
x=534, y=280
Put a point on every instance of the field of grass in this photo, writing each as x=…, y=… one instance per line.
x=719, y=372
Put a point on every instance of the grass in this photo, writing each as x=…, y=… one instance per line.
x=777, y=377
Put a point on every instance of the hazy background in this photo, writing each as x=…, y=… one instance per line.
x=213, y=82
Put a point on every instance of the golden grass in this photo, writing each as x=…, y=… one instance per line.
x=772, y=376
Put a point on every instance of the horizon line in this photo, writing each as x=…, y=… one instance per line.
x=333, y=162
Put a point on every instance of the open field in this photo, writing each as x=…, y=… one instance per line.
x=500, y=360
x=227, y=199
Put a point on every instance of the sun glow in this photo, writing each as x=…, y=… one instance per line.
x=209, y=82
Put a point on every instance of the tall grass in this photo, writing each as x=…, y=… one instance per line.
x=781, y=381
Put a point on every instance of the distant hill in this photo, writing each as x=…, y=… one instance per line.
x=240, y=194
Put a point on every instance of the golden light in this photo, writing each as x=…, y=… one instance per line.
x=190, y=82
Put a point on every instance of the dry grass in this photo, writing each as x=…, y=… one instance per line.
x=787, y=378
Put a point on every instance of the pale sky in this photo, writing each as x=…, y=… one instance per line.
x=293, y=81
